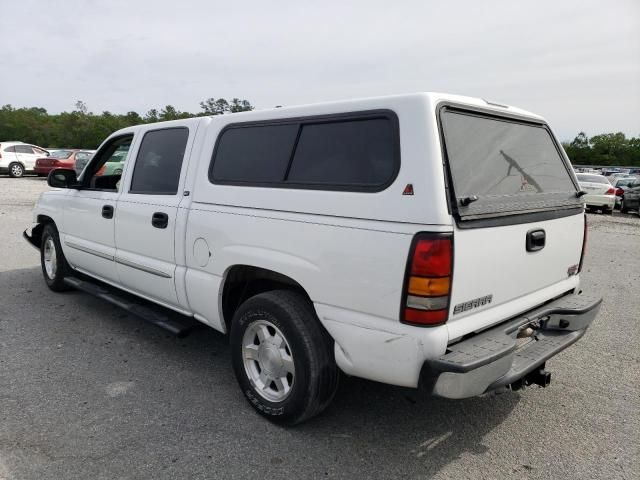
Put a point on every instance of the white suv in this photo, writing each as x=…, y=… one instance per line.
x=17, y=158
x=418, y=240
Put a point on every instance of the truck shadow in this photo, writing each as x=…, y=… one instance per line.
x=189, y=383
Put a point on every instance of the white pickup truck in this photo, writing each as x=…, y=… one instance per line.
x=422, y=240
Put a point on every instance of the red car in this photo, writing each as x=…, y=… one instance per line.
x=57, y=159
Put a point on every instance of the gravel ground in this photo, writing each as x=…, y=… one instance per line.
x=88, y=391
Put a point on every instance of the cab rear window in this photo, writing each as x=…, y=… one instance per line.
x=500, y=166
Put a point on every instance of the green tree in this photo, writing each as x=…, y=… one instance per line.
x=238, y=105
x=215, y=107
x=604, y=149
x=81, y=128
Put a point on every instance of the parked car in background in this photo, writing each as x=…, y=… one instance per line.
x=615, y=176
x=17, y=158
x=82, y=158
x=57, y=159
x=115, y=165
x=600, y=194
x=631, y=199
x=620, y=185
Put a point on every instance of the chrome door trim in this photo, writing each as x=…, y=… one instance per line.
x=84, y=249
x=142, y=268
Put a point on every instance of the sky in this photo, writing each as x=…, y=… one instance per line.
x=577, y=63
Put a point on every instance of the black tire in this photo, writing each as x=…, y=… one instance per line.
x=623, y=209
x=16, y=170
x=311, y=348
x=54, y=279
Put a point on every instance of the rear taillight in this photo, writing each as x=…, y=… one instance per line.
x=427, y=285
x=619, y=192
x=611, y=191
x=584, y=244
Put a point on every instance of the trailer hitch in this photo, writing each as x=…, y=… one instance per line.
x=538, y=377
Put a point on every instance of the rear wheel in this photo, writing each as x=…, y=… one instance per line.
x=54, y=266
x=282, y=357
x=623, y=209
x=16, y=170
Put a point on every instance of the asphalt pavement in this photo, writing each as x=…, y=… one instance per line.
x=88, y=391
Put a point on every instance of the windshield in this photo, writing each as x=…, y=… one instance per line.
x=83, y=156
x=592, y=178
x=504, y=166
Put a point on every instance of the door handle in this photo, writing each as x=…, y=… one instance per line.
x=536, y=240
x=160, y=220
x=107, y=211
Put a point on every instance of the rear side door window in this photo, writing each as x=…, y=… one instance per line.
x=159, y=162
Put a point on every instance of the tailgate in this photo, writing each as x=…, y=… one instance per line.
x=519, y=220
x=493, y=264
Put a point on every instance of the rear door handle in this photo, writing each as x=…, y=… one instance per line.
x=160, y=220
x=107, y=211
x=536, y=240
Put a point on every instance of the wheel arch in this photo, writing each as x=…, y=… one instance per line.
x=242, y=281
x=35, y=238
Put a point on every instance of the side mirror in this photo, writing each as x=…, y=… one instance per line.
x=62, y=178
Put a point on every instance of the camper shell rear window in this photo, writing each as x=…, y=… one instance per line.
x=502, y=166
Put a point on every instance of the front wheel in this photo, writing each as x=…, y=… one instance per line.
x=54, y=265
x=282, y=357
x=16, y=170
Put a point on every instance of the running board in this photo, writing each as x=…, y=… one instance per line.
x=162, y=317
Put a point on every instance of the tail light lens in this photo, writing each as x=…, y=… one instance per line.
x=619, y=192
x=584, y=243
x=611, y=191
x=427, y=283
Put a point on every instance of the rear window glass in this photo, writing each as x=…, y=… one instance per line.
x=24, y=149
x=625, y=181
x=502, y=167
x=344, y=153
x=359, y=154
x=61, y=154
x=254, y=154
x=591, y=178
